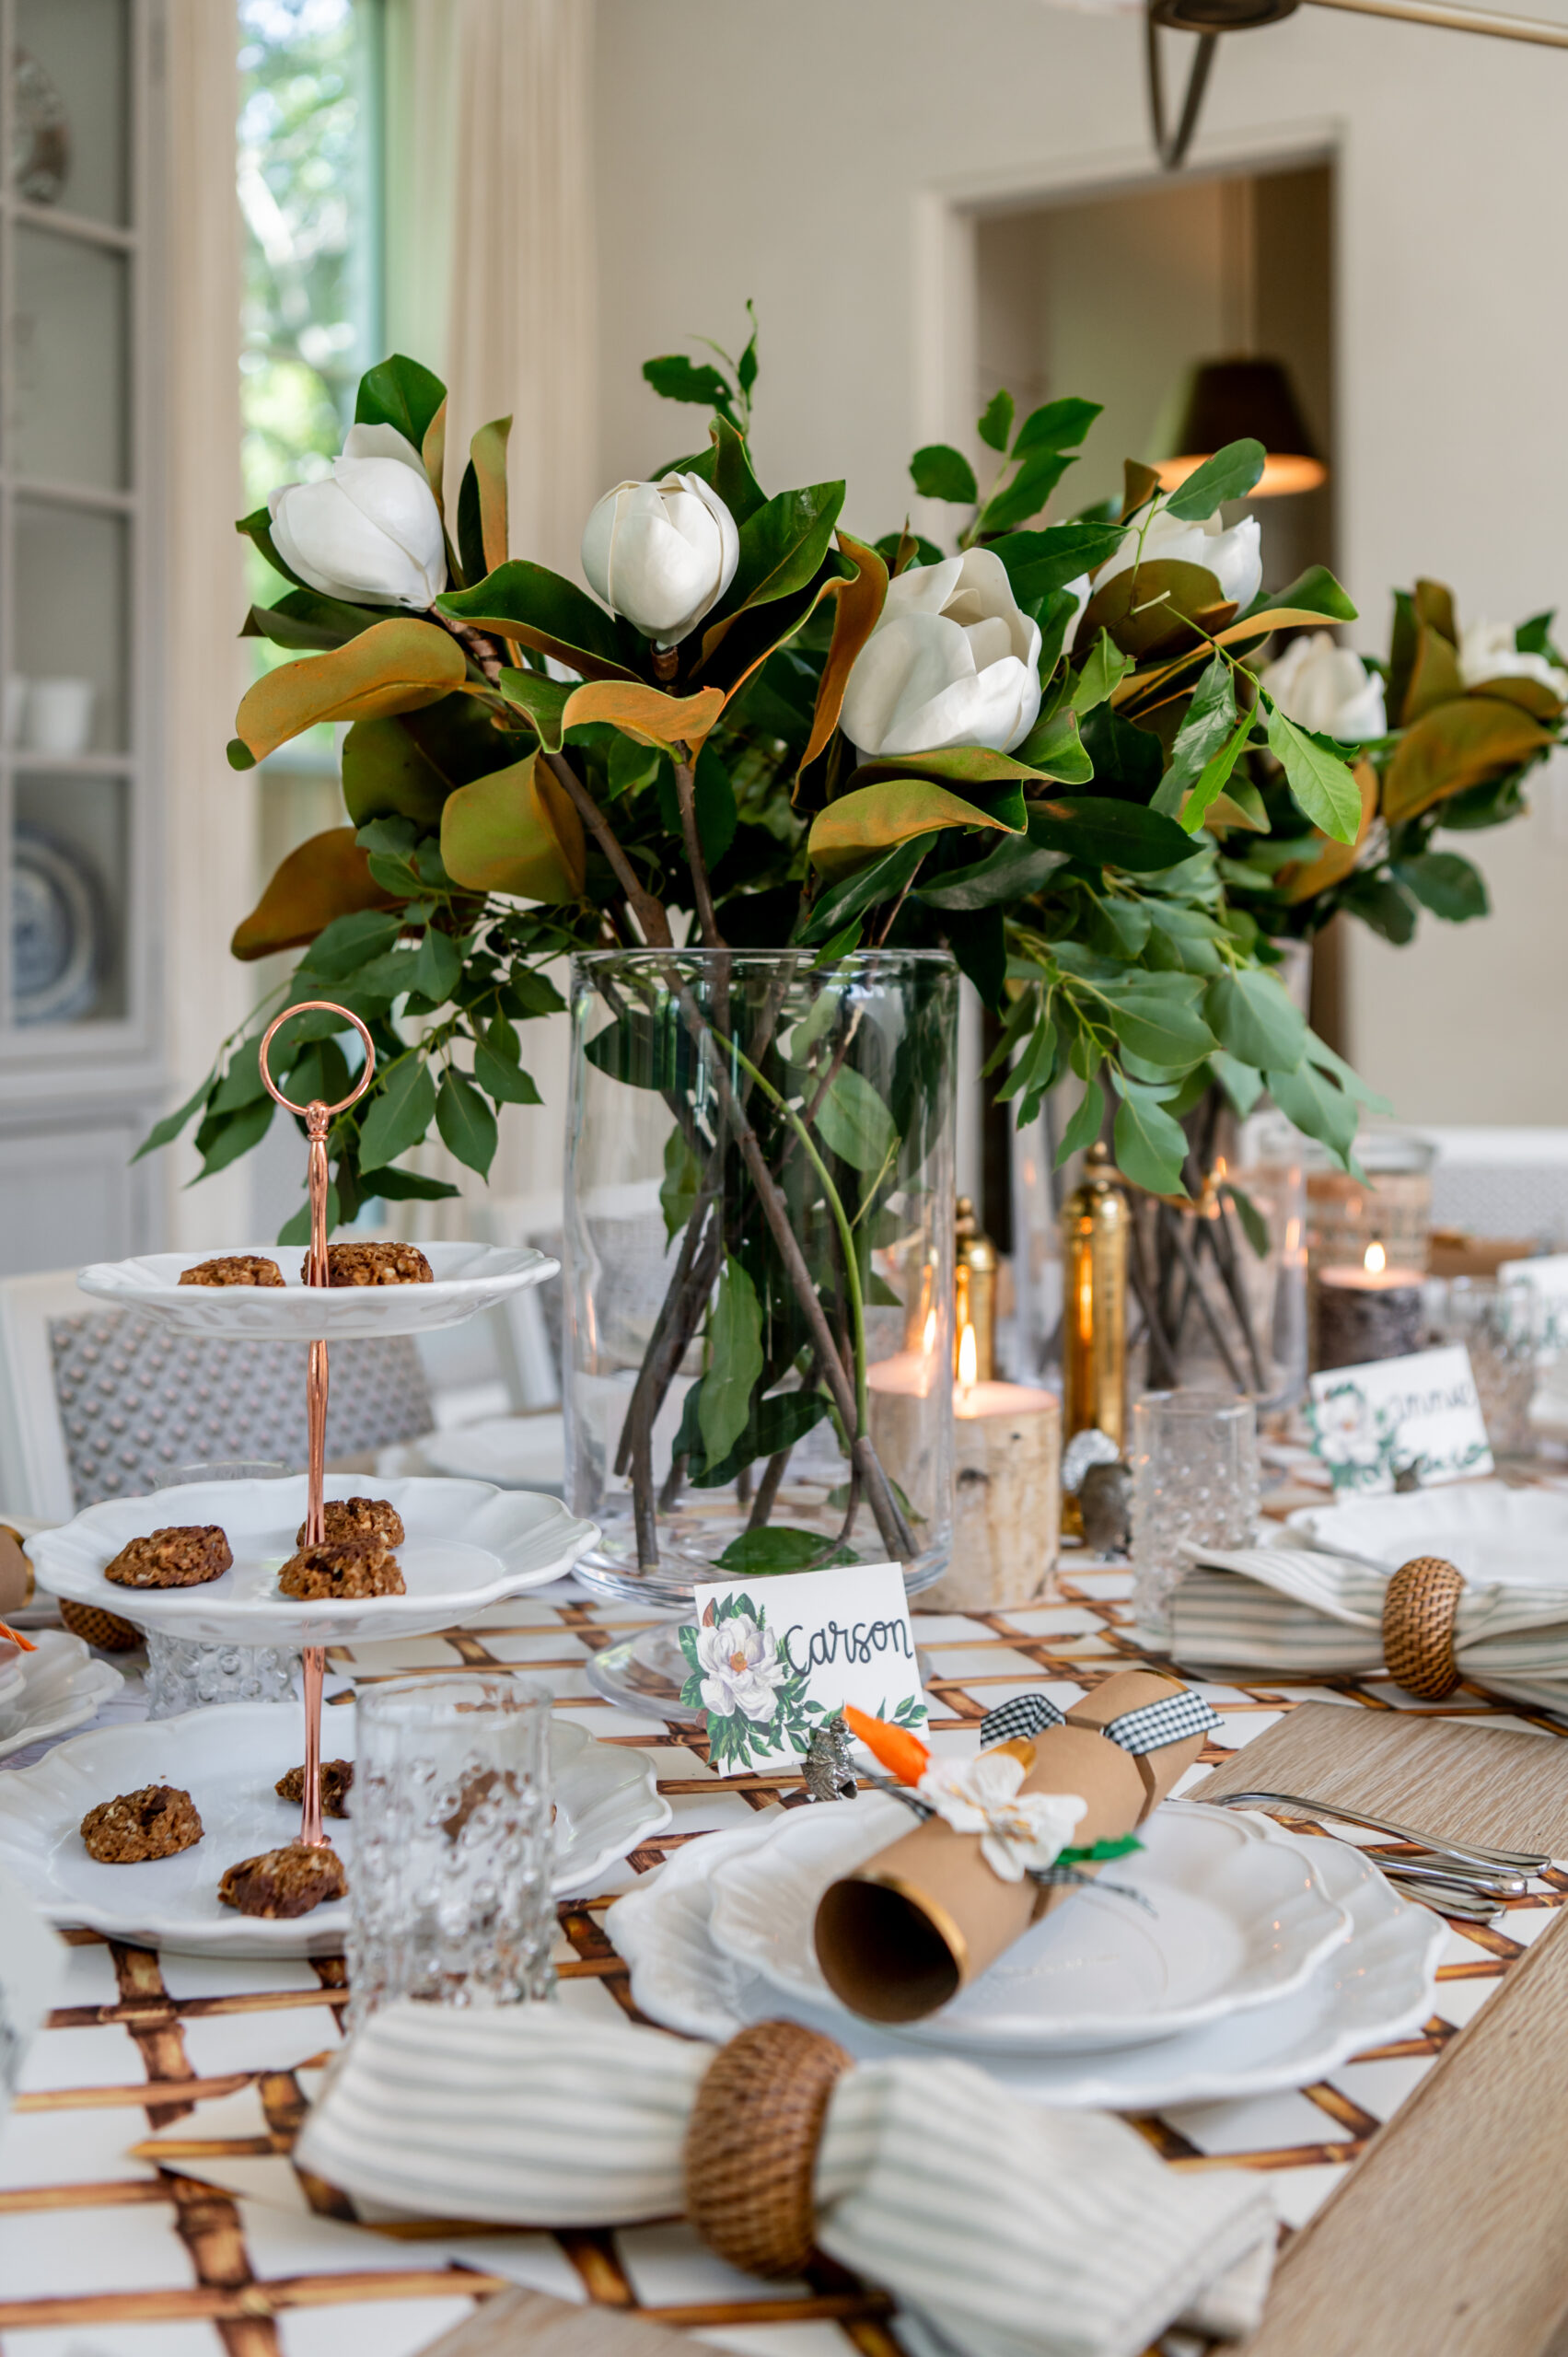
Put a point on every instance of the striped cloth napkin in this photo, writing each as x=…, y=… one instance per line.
x=1293, y=1608
x=1012, y=2230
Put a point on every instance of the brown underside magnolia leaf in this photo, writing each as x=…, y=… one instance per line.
x=488, y=451
x=1334, y=861
x=861, y=825
x=1434, y=675
x=1464, y=742
x=1149, y=607
x=1435, y=606
x=393, y=666
x=1139, y=684
x=432, y=456
x=517, y=832
x=646, y=714
x=1531, y=695
x=859, y=607
x=328, y=877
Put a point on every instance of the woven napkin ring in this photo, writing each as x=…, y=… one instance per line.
x=1148, y=1728
x=1419, y=1605
x=752, y=2145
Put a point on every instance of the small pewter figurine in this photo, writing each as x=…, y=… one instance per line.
x=829, y=1776
x=1105, y=1496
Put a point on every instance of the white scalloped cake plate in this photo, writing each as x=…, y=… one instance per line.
x=467, y=1279
x=468, y=1544
x=1377, y=1986
x=1492, y=1533
x=606, y=1797
x=1235, y=1919
x=61, y=1687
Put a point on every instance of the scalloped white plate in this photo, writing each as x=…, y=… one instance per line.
x=62, y=1686
x=1493, y=1533
x=467, y=1278
x=469, y=1544
x=606, y=1797
x=1238, y=1919
x=1377, y=1986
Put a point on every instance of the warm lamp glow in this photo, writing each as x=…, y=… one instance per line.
x=1227, y=400
x=1376, y=1261
x=968, y=1358
x=1283, y=473
x=928, y=1335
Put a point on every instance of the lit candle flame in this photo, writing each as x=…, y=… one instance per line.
x=968, y=1358
x=1376, y=1262
x=928, y=1337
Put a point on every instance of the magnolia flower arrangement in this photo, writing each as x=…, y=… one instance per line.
x=1057, y=749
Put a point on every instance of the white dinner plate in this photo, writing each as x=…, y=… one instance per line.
x=467, y=1278
x=1492, y=1533
x=606, y=1795
x=62, y=1686
x=468, y=1544
x=1236, y=1919
x=1377, y=1986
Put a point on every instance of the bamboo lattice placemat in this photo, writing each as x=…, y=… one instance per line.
x=148, y=2207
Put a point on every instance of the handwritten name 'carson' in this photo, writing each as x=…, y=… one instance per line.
x=861, y=1641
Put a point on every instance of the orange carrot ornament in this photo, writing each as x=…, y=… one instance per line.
x=903, y=1754
x=16, y=1638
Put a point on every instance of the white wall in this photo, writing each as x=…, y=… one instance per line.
x=790, y=150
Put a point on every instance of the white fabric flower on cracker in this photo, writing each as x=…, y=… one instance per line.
x=1020, y=1832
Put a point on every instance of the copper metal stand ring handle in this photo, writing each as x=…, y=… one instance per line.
x=316, y=1007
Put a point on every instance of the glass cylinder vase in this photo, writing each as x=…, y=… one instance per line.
x=758, y=1263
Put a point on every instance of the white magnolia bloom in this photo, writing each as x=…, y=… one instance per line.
x=952, y=661
x=1018, y=1830
x=1234, y=558
x=370, y=529
x=740, y=1668
x=1487, y=652
x=661, y=554
x=1326, y=688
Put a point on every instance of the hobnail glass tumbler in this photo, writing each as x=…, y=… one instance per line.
x=1194, y=1479
x=450, y=1889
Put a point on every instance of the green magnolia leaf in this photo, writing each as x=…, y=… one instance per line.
x=1254, y=1021
x=1150, y=1145
x=1324, y=789
x=1384, y=905
x=1150, y=609
x=882, y=879
x=676, y=379
x=781, y=548
x=398, y=393
x=1315, y=591
x=308, y=620
x=1041, y=563
x=777, y=1548
x=1027, y=492
x=401, y=1112
x=386, y=775
x=1217, y=780
x=939, y=471
x=501, y=1078
x=996, y=424
x=223, y=1138
x=404, y=1186
x=1054, y=750
x=677, y=1188
x=1310, y=1098
x=1060, y=425
x=465, y=1121
x=979, y=942
x=1108, y=832
x=853, y=1122
x=1101, y=675
x=1450, y=886
x=1241, y=1083
x=530, y=603
x=1210, y=718
x=859, y=825
x=543, y=702
x=1156, y=1016
x=1016, y=870
x=1229, y=474
x=774, y=1425
x=734, y=1360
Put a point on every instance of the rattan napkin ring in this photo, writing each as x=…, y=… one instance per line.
x=105, y=1629
x=752, y=2145
x=1419, y=1606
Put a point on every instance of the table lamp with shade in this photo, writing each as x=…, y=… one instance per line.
x=1229, y=401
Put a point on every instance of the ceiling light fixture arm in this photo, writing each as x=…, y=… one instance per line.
x=1171, y=148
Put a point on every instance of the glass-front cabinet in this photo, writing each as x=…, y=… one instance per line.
x=76, y=1033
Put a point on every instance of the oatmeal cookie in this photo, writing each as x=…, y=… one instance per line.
x=341, y=1567
x=183, y=1555
x=337, y=1775
x=233, y=1269
x=360, y=1518
x=155, y=1822
x=289, y=1881
x=378, y=1264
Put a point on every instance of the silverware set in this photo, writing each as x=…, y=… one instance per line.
x=1458, y=1878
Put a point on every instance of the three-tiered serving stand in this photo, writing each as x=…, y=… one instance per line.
x=519, y=1538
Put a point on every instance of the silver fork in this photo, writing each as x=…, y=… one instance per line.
x=1471, y=1855
x=1470, y=1903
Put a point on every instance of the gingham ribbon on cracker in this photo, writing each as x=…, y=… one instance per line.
x=1150, y=1728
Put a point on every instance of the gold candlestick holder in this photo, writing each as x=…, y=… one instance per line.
x=974, y=1291
x=317, y=1118
x=1095, y=1221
